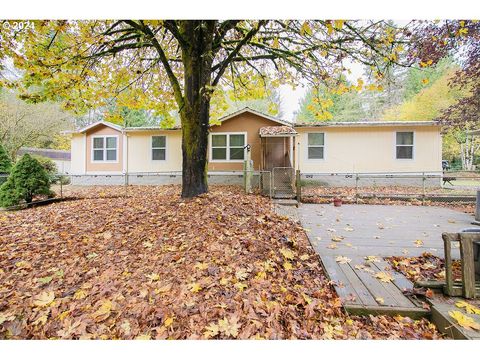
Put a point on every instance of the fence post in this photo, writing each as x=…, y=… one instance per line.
x=299, y=185
x=61, y=187
x=424, y=189
x=356, y=188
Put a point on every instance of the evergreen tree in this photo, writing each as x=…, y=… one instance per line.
x=27, y=179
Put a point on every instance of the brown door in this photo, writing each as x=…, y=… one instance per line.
x=276, y=154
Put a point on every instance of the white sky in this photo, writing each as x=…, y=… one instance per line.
x=291, y=98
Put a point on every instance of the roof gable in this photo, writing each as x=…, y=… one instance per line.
x=98, y=123
x=255, y=112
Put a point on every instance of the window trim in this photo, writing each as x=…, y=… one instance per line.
x=151, y=148
x=227, y=160
x=324, y=146
x=104, y=137
x=395, y=144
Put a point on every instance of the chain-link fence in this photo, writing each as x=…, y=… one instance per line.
x=355, y=187
x=91, y=186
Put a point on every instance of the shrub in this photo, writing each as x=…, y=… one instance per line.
x=48, y=164
x=27, y=179
x=5, y=164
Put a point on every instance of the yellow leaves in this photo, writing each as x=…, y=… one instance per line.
x=338, y=24
x=194, y=287
x=306, y=29
x=23, y=265
x=371, y=258
x=44, y=299
x=287, y=265
x=329, y=27
x=224, y=281
x=240, y=286
x=107, y=235
x=227, y=327
x=6, y=317
x=103, y=312
x=384, y=277
x=45, y=280
x=464, y=321
x=304, y=257
x=426, y=64
x=337, y=238
x=287, y=254
x=332, y=246
x=418, y=243
x=380, y=300
x=153, y=276
x=168, y=321
x=201, y=265
x=470, y=309
x=463, y=31
x=80, y=294
x=342, y=259
x=143, y=337
x=261, y=275
x=425, y=81
x=275, y=44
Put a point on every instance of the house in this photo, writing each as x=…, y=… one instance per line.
x=61, y=158
x=383, y=147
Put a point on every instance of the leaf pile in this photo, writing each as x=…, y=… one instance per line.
x=424, y=267
x=153, y=266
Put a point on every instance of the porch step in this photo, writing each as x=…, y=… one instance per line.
x=285, y=202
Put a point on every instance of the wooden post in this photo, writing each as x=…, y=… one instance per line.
x=447, y=243
x=468, y=269
x=248, y=171
x=424, y=189
x=356, y=188
x=299, y=186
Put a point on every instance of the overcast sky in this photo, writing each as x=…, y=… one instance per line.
x=291, y=98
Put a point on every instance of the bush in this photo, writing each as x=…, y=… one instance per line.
x=5, y=164
x=48, y=164
x=27, y=179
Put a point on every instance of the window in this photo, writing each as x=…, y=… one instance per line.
x=105, y=148
x=404, y=145
x=159, y=147
x=228, y=147
x=316, y=146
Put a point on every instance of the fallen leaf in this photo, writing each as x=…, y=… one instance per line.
x=384, y=277
x=194, y=287
x=342, y=259
x=153, y=277
x=470, y=309
x=418, y=243
x=44, y=299
x=103, y=312
x=380, y=300
x=464, y=321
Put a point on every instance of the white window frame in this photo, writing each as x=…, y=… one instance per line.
x=395, y=144
x=152, y=148
x=104, y=137
x=245, y=138
x=324, y=146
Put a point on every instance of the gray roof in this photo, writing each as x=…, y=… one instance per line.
x=49, y=153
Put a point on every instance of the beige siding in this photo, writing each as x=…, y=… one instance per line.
x=245, y=122
x=140, y=151
x=78, y=154
x=100, y=167
x=370, y=149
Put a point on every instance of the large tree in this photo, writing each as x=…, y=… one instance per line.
x=173, y=64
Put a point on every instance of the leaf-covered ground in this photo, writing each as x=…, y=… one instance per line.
x=153, y=266
x=322, y=194
x=424, y=267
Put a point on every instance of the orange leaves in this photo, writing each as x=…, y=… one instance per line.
x=198, y=278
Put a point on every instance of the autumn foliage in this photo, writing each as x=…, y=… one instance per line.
x=152, y=266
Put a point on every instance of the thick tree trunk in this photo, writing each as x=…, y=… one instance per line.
x=195, y=113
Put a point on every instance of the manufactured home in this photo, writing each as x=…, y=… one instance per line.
x=382, y=147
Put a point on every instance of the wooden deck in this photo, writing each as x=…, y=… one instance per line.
x=378, y=231
x=362, y=293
